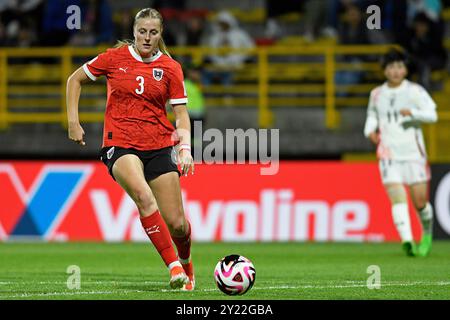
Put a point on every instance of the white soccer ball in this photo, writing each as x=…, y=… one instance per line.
x=234, y=274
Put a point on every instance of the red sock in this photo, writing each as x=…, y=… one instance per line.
x=157, y=231
x=184, y=244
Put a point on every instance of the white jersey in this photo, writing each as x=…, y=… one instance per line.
x=401, y=137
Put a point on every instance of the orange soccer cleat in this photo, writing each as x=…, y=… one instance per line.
x=189, y=269
x=178, y=277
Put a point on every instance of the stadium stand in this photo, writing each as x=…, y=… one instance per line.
x=289, y=83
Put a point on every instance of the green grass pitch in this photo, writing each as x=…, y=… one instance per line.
x=283, y=271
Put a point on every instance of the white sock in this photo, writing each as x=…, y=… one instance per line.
x=184, y=261
x=402, y=222
x=426, y=217
x=174, y=264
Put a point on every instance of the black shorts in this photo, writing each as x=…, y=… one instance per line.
x=156, y=162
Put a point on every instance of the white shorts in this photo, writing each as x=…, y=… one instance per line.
x=404, y=172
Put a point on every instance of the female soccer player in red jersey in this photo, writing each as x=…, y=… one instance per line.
x=140, y=145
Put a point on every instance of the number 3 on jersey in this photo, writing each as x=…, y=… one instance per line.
x=140, y=79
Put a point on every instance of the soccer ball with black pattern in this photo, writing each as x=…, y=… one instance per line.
x=234, y=274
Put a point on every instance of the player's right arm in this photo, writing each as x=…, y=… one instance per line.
x=89, y=71
x=73, y=91
x=371, y=125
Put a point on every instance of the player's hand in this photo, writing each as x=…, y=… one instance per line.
x=375, y=138
x=405, y=112
x=76, y=133
x=186, y=161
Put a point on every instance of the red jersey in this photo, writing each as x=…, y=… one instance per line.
x=138, y=90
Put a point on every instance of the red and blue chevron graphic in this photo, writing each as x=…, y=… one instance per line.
x=37, y=208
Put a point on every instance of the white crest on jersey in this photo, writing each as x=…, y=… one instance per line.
x=158, y=74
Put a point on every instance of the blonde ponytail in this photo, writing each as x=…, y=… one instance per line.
x=163, y=48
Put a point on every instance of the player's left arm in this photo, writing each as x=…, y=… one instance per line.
x=425, y=107
x=183, y=124
x=178, y=100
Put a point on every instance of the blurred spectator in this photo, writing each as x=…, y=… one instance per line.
x=196, y=100
x=172, y=12
x=171, y=23
x=226, y=33
x=9, y=11
x=426, y=48
x=97, y=25
x=19, y=22
x=26, y=36
x=196, y=104
x=54, y=28
x=315, y=20
x=169, y=37
x=124, y=25
x=394, y=13
x=352, y=30
x=83, y=38
x=19, y=10
x=276, y=8
x=431, y=8
x=337, y=8
x=195, y=31
x=169, y=8
x=12, y=30
x=98, y=14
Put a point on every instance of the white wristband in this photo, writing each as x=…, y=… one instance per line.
x=185, y=147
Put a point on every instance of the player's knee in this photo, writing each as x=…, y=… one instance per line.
x=397, y=194
x=144, y=201
x=177, y=226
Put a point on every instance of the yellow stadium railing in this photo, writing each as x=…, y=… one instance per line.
x=19, y=79
x=3, y=90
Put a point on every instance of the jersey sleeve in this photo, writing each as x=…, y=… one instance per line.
x=372, y=116
x=97, y=66
x=425, y=107
x=177, y=90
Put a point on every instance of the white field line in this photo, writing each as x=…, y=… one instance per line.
x=127, y=291
x=83, y=282
x=67, y=293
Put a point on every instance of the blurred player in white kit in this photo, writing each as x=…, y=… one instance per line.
x=394, y=115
